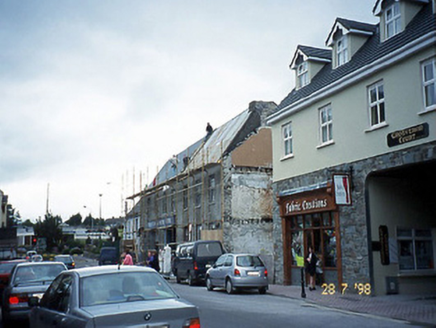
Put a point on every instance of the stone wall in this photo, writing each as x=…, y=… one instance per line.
x=353, y=219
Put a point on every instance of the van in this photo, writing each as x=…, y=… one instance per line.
x=108, y=255
x=192, y=260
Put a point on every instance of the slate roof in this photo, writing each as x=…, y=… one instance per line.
x=355, y=25
x=316, y=52
x=423, y=23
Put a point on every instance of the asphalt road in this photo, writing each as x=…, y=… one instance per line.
x=251, y=310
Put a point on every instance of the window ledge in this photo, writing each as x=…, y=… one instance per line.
x=284, y=158
x=325, y=144
x=417, y=274
x=376, y=127
x=427, y=110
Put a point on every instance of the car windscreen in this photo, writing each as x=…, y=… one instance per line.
x=248, y=261
x=108, y=253
x=63, y=259
x=209, y=250
x=6, y=267
x=37, y=273
x=119, y=287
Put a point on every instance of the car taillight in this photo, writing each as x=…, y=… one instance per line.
x=192, y=323
x=237, y=272
x=195, y=266
x=15, y=299
x=266, y=273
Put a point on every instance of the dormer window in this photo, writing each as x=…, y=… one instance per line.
x=342, y=50
x=393, y=20
x=302, y=74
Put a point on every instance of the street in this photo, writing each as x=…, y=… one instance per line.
x=249, y=309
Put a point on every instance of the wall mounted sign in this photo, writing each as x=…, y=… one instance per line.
x=307, y=202
x=408, y=135
x=341, y=183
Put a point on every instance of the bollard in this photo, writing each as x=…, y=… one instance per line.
x=303, y=293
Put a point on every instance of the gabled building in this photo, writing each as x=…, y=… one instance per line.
x=354, y=154
x=219, y=188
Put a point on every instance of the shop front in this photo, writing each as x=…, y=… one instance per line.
x=310, y=217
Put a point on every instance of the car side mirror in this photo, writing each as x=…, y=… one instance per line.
x=33, y=301
x=214, y=266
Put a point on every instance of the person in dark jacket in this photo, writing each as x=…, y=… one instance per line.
x=311, y=260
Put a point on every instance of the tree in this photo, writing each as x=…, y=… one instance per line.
x=89, y=221
x=28, y=223
x=49, y=229
x=75, y=220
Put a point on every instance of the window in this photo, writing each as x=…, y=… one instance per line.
x=393, y=20
x=287, y=139
x=185, y=199
x=429, y=83
x=211, y=189
x=326, y=124
x=376, y=104
x=302, y=74
x=415, y=249
x=342, y=51
x=197, y=193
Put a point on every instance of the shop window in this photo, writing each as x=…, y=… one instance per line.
x=415, y=249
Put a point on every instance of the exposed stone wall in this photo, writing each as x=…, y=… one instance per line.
x=353, y=221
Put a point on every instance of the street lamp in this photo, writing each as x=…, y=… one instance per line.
x=100, y=204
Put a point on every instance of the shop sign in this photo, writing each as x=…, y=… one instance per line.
x=341, y=184
x=408, y=135
x=169, y=221
x=307, y=204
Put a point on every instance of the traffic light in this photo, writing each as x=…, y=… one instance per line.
x=34, y=241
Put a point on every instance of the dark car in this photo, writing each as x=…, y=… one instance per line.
x=238, y=271
x=192, y=260
x=67, y=260
x=5, y=271
x=112, y=296
x=108, y=255
x=27, y=280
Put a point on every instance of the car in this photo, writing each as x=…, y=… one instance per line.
x=5, y=271
x=29, y=254
x=36, y=258
x=238, y=271
x=192, y=260
x=26, y=280
x=67, y=260
x=112, y=296
x=108, y=255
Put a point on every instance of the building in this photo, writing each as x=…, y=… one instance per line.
x=219, y=188
x=3, y=210
x=354, y=155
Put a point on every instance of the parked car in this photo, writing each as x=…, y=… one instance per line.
x=5, y=272
x=112, y=296
x=36, y=258
x=108, y=255
x=26, y=280
x=67, y=260
x=192, y=260
x=238, y=271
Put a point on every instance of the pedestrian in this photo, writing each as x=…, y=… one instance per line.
x=128, y=260
x=311, y=260
x=152, y=260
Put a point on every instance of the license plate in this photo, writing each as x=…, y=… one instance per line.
x=253, y=273
x=208, y=266
x=39, y=295
x=156, y=326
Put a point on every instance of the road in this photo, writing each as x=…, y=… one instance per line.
x=251, y=310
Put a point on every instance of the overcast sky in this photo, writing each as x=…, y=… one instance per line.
x=92, y=91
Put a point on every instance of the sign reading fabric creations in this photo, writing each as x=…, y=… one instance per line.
x=408, y=135
x=311, y=202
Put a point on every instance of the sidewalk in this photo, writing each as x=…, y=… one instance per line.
x=412, y=308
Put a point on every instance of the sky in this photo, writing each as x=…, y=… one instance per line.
x=95, y=96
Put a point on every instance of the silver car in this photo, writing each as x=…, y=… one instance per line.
x=27, y=280
x=238, y=271
x=112, y=296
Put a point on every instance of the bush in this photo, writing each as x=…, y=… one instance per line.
x=76, y=250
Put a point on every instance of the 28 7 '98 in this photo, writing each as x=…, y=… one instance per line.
x=362, y=289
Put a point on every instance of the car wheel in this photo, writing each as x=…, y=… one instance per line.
x=229, y=287
x=262, y=290
x=5, y=320
x=191, y=280
x=209, y=285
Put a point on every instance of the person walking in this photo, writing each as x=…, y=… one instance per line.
x=311, y=260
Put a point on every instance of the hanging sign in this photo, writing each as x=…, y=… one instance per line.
x=341, y=183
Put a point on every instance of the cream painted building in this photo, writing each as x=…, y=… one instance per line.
x=354, y=154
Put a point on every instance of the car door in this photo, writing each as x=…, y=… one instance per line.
x=55, y=308
x=227, y=268
x=218, y=275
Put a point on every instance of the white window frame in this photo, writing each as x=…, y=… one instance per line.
x=429, y=84
x=326, y=125
x=342, y=51
x=303, y=74
x=378, y=103
x=288, y=147
x=392, y=20
x=413, y=238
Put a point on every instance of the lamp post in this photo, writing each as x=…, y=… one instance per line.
x=100, y=195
